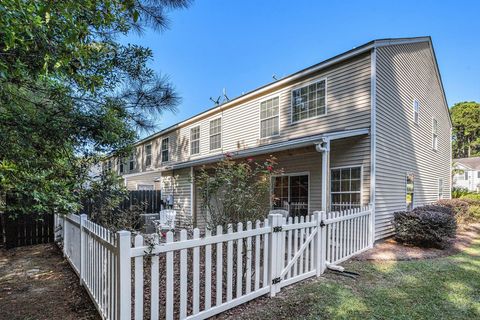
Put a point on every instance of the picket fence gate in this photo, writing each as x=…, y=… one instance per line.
x=198, y=276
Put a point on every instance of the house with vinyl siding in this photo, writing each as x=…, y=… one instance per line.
x=370, y=125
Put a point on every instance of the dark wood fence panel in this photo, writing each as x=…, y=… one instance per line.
x=28, y=229
x=150, y=201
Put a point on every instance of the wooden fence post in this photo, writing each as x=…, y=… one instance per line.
x=124, y=276
x=275, y=222
x=83, y=218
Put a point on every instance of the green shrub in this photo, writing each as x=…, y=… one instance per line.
x=459, y=192
x=471, y=198
x=424, y=228
x=474, y=212
x=459, y=208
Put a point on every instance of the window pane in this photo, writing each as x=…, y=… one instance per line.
x=335, y=186
x=346, y=174
x=355, y=198
x=309, y=101
x=345, y=185
x=335, y=174
x=355, y=185
x=355, y=173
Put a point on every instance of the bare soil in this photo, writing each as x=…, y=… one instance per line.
x=390, y=249
x=37, y=283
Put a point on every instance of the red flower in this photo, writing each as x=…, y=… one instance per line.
x=250, y=159
x=270, y=168
x=228, y=155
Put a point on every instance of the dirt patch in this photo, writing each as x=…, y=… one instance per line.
x=390, y=249
x=37, y=283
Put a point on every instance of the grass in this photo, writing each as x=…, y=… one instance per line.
x=443, y=288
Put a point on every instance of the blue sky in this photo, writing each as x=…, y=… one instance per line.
x=240, y=45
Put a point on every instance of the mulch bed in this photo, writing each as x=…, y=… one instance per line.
x=390, y=249
x=37, y=283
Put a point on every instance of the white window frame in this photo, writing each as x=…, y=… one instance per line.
x=211, y=135
x=121, y=165
x=306, y=84
x=196, y=140
x=146, y=155
x=434, y=134
x=440, y=188
x=167, y=150
x=416, y=111
x=131, y=162
x=260, y=120
x=291, y=174
x=340, y=192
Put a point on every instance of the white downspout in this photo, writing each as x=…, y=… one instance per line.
x=324, y=148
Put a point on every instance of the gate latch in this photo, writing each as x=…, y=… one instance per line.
x=322, y=224
x=276, y=280
x=277, y=229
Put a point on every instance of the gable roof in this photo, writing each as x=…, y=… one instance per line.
x=472, y=163
x=300, y=74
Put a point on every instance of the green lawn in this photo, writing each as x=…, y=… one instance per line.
x=444, y=288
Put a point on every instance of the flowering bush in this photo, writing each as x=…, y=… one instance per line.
x=235, y=190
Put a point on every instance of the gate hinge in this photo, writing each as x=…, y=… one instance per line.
x=276, y=280
x=277, y=229
x=322, y=224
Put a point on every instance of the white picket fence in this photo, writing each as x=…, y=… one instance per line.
x=196, y=277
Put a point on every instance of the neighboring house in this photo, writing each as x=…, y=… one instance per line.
x=370, y=125
x=468, y=175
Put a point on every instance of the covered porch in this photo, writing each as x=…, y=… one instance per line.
x=327, y=173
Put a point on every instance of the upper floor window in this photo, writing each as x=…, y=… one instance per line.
x=195, y=140
x=165, y=153
x=148, y=155
x=309, y=101
x=109, y=167
x=121, y=165
x=269, y=119
x=435, y=134
x=466, y=175
x=131, y=162
x=216, y=134
x=440, y=188
x=416, y=110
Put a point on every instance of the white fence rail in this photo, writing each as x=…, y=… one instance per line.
x=195, y=277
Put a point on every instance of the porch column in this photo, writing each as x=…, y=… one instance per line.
x=324, y=148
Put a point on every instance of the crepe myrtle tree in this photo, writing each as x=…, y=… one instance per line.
x=235, y=190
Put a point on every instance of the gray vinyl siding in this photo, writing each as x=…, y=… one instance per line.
x=178, y=184
x=404, y=73
x=348, y=107
x=147, y=179
x=346, y=152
